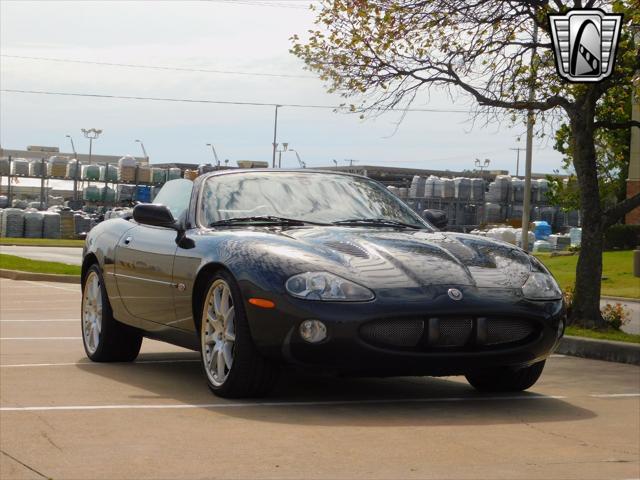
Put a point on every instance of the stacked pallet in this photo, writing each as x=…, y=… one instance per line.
x=33, y=224
x=12, y=223
x=51, y=225
x=67, y=226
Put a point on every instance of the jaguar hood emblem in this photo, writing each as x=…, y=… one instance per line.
x=454, y=294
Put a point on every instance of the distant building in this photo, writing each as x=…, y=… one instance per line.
x=401, y=177
x=35, y=152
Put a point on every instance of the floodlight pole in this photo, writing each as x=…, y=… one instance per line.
x=526, y=204
x=92, y=134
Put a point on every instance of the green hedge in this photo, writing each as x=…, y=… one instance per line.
x=622, y=237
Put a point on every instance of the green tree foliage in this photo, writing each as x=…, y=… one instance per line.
x=612, y=150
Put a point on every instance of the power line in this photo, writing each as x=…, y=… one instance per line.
x=159, y=67
x=292, y=4
x=218, y=102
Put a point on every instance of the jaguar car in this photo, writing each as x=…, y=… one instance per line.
x=260, y=270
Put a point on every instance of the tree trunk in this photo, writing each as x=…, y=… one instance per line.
x=585, y=309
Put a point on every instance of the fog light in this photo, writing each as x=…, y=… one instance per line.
x=313, y=331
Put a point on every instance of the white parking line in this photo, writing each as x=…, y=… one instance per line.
x=41, y=320
x=61, y=309
x=41, y=284
x=97, y=364
x=41, y=338
x=277, y=404
x=614, y=395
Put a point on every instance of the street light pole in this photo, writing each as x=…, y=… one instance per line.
x=526, y=204
x=300, y=162
x=73, y=147
x=92, y=134
x=75, y=176
x=144, y=152
x=215, y=155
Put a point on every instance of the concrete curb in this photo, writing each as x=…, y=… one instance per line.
x=610, y=351
x=38, y=277
x=620, y=299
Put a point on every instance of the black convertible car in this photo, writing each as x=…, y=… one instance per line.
x=316, y=269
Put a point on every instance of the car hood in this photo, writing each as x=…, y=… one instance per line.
x=391, y=258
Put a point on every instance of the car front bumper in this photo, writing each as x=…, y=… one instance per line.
x=414, y=346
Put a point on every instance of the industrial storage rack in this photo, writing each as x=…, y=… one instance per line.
x=77, y=181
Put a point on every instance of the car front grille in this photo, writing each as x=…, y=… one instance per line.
x=450, y=332
x=507, y=330
x=393, y=333
x=463, y=333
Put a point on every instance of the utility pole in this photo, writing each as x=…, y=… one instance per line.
x=275, y=134
x=517, y=159
x=351, y=161
x=633, y=178
x=526, y=204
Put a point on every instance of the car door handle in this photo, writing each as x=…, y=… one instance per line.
x=127, y=240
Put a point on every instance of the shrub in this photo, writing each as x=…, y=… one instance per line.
x=622, y=237
x=615, y=315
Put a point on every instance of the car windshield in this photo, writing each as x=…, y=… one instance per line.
x=313, y=197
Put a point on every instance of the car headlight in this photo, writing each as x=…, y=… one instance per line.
x=541, y=286
x=326, y=286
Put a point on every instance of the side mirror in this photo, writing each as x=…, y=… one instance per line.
x=153, y=214
x=436, y=217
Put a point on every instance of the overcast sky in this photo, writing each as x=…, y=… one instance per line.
x=247, y=36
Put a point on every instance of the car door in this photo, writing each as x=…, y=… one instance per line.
x=144, y=260
x=144, y=270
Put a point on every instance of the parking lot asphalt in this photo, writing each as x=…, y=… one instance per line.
x=62, y=416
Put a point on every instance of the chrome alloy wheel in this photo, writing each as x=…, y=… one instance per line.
x=218, y=334
x=92, y=312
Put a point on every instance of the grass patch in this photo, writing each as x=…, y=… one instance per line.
x=41, y=242
x=11, y=262
x=615, y=335
x=616, y=267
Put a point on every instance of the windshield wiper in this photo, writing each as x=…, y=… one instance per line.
x=377, y=222
x=269, y=219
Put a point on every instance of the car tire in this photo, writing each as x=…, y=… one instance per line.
x=231, y=362
x=104, y=338
x=506, y=379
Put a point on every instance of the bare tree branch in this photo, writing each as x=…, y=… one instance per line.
x=613, y=214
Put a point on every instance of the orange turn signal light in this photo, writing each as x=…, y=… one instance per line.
x=262, y=303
